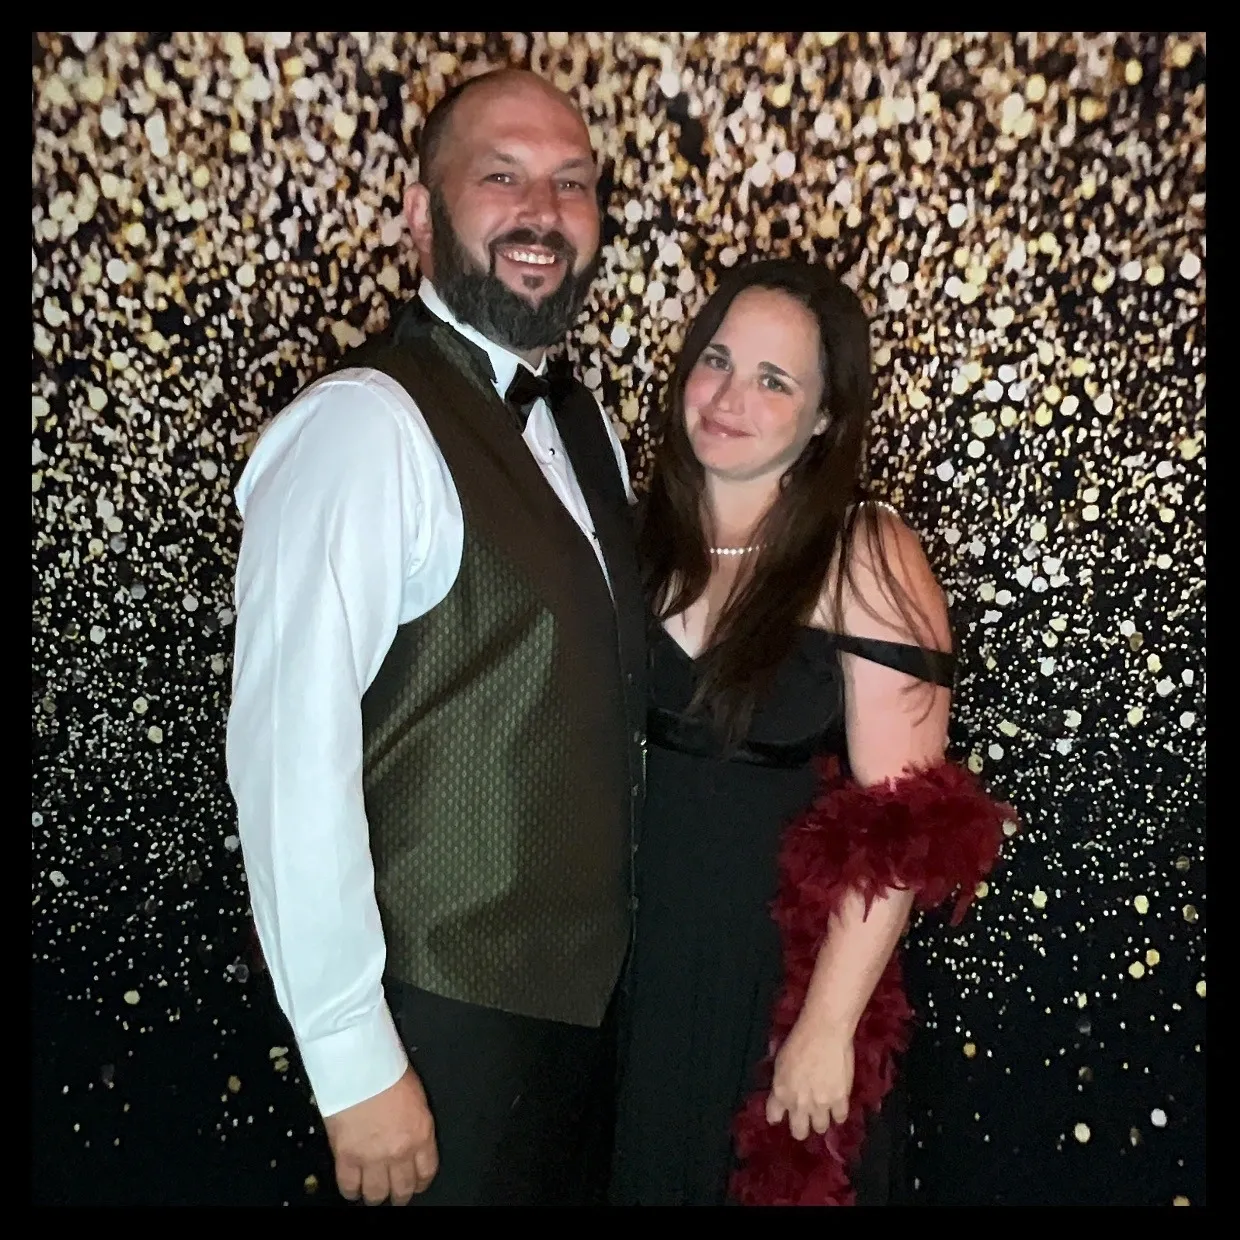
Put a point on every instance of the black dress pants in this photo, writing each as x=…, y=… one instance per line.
x=523, y=1108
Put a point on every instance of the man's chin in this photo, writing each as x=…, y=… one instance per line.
x=533, y=287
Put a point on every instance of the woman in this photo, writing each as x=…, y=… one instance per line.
x=792, y=624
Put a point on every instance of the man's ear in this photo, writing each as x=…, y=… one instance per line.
x=418, y=216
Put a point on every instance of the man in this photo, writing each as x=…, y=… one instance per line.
x=436, y=735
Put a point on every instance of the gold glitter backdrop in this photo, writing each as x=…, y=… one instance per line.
x=216, y=216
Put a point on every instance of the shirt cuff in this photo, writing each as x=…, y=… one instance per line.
x=354, y=1064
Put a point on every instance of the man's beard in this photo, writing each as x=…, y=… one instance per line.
x=477, y=296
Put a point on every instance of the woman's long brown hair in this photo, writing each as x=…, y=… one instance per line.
x=816, y=514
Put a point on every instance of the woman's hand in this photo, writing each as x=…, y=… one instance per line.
x=813, y=1080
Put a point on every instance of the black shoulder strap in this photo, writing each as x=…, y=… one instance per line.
x=936, y=666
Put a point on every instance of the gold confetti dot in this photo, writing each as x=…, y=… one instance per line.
x=1039, y=898
x=970, y=1050
x=982, y=890
x=312, y=1183
x=1081, y=1133
x=1141, y=904
x=234, y=1084
x=1190, y=913
x=1201, y=990
x=1179, y=1201
x=1136, y=714
x=1152, y=957
x=1092, y=110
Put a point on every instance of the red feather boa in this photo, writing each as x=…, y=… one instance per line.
x=934, y=831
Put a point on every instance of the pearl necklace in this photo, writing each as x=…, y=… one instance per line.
x=735, y=550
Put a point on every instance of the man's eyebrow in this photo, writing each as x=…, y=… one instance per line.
x=584, y=162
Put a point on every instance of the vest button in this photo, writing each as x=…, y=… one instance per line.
x=633, y=904
x=639, y=737
x=636, y=789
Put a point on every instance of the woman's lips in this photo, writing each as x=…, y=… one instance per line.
x=713, y=427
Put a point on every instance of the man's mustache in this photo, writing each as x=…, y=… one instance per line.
x=556, y=242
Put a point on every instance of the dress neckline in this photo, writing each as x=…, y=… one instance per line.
x=695, y=659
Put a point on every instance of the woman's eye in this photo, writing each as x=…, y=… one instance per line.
x=715, y=361
x=775, y=385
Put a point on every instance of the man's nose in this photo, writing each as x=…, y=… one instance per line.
x=540, y=207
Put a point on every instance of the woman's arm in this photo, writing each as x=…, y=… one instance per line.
x=893, y=722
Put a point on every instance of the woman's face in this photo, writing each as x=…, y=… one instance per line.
x=753, y=400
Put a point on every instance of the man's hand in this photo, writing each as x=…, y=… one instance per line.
x=385, y=1147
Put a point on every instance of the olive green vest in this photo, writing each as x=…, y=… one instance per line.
x=504, y=733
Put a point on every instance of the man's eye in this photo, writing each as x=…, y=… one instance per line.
x=573, y=187
x=500, y=178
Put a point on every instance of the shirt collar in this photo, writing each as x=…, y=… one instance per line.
x=503, y=362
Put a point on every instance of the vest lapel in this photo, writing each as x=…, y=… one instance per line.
x=585, y=440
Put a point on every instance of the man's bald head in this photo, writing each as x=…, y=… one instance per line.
x=472, y=94
x=505, y=215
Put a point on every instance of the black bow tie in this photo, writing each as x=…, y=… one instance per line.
x=526, y=387
x=525, y=390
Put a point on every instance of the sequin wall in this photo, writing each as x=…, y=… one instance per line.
x=216, y=216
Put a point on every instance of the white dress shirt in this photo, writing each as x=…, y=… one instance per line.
x=352, y=527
